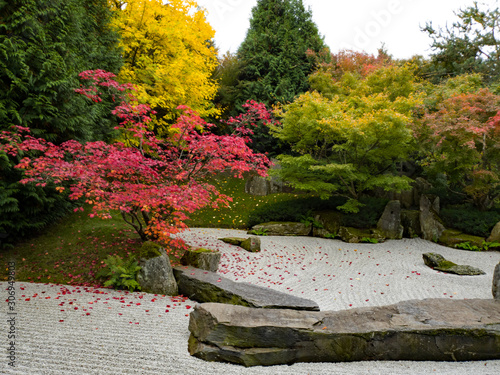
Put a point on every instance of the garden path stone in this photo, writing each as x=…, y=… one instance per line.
x=205, y=286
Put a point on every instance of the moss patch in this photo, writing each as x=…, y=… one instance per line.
x=150, y=250
x=202, y=250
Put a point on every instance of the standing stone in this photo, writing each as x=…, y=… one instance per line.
x=256, y=185
x=203, y=259
x=251, y=244
x=390, y=221
x=431, y=225
x=495, y=234
x=156, y=275
x=496, y=283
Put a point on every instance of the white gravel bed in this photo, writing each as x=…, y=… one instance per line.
x=76, y=330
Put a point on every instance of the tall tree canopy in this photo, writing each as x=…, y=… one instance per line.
x=43, y=47
x=350, y=140
x=168, y=55
x=470, y=45
x=275, y=63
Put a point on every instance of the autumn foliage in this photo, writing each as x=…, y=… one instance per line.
x=461, y=139
x=154, y=183
x=167, y=55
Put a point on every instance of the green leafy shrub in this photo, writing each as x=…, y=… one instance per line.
x=121, y=273
x=259, y=232
x=470, y=220
x=467, y=246
x=369, y=240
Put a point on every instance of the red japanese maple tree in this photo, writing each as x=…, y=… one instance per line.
x=153, y=183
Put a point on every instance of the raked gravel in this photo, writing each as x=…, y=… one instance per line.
x=76, y=330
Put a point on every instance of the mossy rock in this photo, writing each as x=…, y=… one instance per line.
x=277, y=228
x=439, y=263
x=356, y=235
x=236, y=241
x=150, y=250
x=204, y=259
x=251, y=244
x=452, y=237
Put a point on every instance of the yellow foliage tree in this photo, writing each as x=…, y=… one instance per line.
x=168, y=55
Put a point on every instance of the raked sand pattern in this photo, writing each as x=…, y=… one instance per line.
x=77, y=330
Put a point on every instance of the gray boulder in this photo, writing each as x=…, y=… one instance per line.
x=156, y=274
x=283, y=229
x=257, y=185
x=205, y=286
x=419, y=330
x=202, y=258
x=495, y=234
x=496, y=283
x=251, y=244
x=236, y=241
x=431, y=225
x=389, y=224
x=330, y=222
x=439, y=263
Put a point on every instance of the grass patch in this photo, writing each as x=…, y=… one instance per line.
x=72, y=251
x=237, y=215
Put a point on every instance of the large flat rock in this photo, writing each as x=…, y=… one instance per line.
x=418, y=330
x=204, y=286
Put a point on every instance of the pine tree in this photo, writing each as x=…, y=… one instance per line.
x=44, y=45
x=274, y=52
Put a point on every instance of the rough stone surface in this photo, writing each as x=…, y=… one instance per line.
x=439, y=263
x=410, y=219
x=283, y=229
x=205, y=260
x=204, y=286
x=156, y=275
x=389, y=223
x=331, y=222
x=251, y=244
x=355, y=235
x=419, y=330
x=259, y=186
x=495, y=289
x=431, y=225
x=236, y=241
x=495, y=234
x=452, y=237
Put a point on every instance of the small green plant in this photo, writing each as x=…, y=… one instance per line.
x=369, y=240
x=308, y=220
x=467, y=246
x=259, y=232
x=490, y=245
x=331, y=235
x=120, y=273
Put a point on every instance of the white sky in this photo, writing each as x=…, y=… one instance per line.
x=361, y=25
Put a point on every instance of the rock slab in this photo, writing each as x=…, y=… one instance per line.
x=283, y=229
x=439, y=263
x=418, y=330
x=204, y=286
